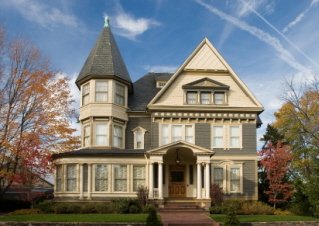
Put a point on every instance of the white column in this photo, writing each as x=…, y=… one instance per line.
x=160, y=180
x=207, y=190
x=151, y=186
x=81, y=180
x=89, y=180
x=199, y=181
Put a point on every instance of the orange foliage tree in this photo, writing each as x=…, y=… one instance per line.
x=35, y=113
x=275, y=159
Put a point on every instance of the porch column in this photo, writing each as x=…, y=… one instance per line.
x=199, y=181
x=151, y=186
x=89, y=180
x=160, y=180
x=207, y=190
x=81, y=180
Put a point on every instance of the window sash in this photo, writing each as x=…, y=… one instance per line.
x=234, y=179
x=165, y=134
x=101, y=91
x=101, y=177
x=191, y=97
x=219, y=98
x=138, y=177
x=85, y=94
x=119, y=94
x=101, y=134
x=120, y=178
x=71, y=177
x=219, y=176
x=189, y=135
x=218, y=136
x=59, y=177
x=86, y=135
x=118, y=136
x=177, y=133
x=205, y=97
x=234, y=139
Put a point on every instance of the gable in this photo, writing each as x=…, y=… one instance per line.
x=206, y=83
x=205, y=67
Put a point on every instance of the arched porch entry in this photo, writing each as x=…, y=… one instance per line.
x=179, y=170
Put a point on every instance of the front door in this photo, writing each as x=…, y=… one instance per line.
x=177, y=187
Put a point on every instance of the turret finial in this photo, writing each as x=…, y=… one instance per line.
x=106, y=21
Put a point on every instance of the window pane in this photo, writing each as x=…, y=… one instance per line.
x=85, y=94
x=165, y=138
x=176, y=133
x=189, y=134
x=101, y=134
x=138, y=177
x=218, y=176
x=205, y=97
x=85, y=100
x=119, y=94
x=234, y=136
x=101, y=177
x=120, y=177
x=191, y=97
x=219, y=98
x=234, y=179
x=86, y=89
x=87, y=131
x=101, y=86
x=117, y=136
x=71, y=177
x=139, y=139
x=218, y=136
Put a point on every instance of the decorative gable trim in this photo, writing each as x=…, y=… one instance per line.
x=231, y=72
x=206, y=83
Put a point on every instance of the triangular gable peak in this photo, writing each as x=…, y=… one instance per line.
x=208, y=60
x=197, y=150
x=206, y=83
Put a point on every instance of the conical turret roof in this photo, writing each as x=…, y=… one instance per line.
x=104, y=61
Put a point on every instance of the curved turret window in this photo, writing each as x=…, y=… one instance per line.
x=85, y=94
x=119, y=94
x=101, y=91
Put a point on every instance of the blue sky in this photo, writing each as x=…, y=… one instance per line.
x=265, y=41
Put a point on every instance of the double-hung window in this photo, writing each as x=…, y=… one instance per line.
x=218, y=136
x=234, y=136
x=101, y=132
x=205, y=97
x=101, y=177
x=85, y=94
x=165, y=134
x=218, y=176
x=119, y=94
x=86, y=135
x=226, y=136
x=120, y=178
x=71, y=177
x=189, y=134
x=101, y=91
x=176, y=133
x=234, y=179
x=191, y=97
x=118, y=136
x=59, y=177
x=138, y=177
x=219, y=98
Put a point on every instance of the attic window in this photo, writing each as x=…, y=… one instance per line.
x=160, y=84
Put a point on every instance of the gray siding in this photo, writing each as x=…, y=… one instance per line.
x=202, y=135
x=155, y=135
x=134, y=122
x=249, y=173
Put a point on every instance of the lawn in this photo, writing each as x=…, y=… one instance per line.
x=76, y=218
x=264, y=218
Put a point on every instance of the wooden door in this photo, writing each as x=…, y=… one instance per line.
x=177, y=187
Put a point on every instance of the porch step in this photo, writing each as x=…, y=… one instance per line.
x=181, y=207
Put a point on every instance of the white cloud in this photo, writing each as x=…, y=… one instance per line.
x=130, y=27
x=42, y=14
x=300, y=16
x=275, y=43
x=160, y=68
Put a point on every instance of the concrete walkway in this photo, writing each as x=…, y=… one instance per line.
x=186, y=218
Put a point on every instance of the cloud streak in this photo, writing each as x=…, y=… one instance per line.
x=42, y=14
x=160, y=68
x=128, y=26
x=300, y=16
x=261, y=35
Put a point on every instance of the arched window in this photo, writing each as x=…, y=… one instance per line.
x=139, y=133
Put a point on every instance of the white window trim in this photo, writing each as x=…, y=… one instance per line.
x=88, y=94
x=226, y=175
x=105, y=122
x=211, y=99
x=135, y=131
x=127, y=178
x=132, y=175
x=226, y=134
x=170, y=132
x=108, y=178
x=124, y=94
x=83, y=134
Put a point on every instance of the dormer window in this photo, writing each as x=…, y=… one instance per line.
x=101, y=91
x=85, y=94
x=139, y=133
x=205, y=97
x=119, y=94
x=219, y=98
x=191, y=97
x=160, y=84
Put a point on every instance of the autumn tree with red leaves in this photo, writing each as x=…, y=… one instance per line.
x=275, y=159
x=35, y=114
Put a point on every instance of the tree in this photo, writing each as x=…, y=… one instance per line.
x=275, y=160
x=35, y=113
x=298, y=121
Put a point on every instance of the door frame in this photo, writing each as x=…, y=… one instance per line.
x=182, y=185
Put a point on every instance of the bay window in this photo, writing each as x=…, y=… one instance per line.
x=120, y=178
x=101, y=177
x=86, y=135
x=101, y=91
x=101, y=134
x=118, y=136
x=59, y=177
x=119, y=94
x=85, y=94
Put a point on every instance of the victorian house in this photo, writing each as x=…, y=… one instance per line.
x=175, y=134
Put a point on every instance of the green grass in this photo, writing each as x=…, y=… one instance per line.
x=264, y=218
x=76, y=218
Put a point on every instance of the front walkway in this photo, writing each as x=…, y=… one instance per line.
x=186, y=218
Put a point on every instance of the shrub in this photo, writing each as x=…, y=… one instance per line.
x=25, y=212
x=232, y=205
x=152, y=219
x=123, y=205
x=45, y=206
x=147, y=208
x=60, y=208
x=134, y=209
x=142, y=196
x=103, y=208
x=255, y=208
x=283, y=212
x=216, y=194
x=90, y=208
x=231, y=218
x=217, y=210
